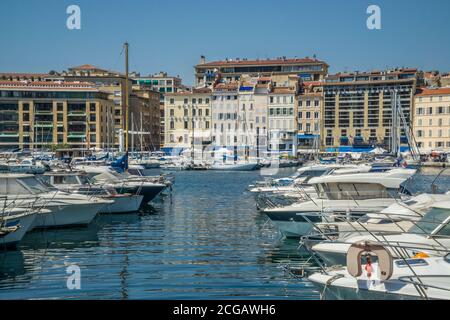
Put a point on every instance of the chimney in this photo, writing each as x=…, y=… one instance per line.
x=202, y=59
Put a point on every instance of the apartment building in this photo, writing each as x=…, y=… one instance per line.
x=164, y=84
x=144, y=119
x=114, y=83
x=38, y=114
x=282, y=118
x=358, y=107
x=229, y=70
x=309, y=121
x=225, y=109
x=187, y=120
x=432, y=119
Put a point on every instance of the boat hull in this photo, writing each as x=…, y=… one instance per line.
x=235, y=167
x=67, y=215
x=124, y=204
x=24, y=221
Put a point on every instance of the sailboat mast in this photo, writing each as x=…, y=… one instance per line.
x=193, y=135
x=126, y=97
x=132, y=132
x=141, y=133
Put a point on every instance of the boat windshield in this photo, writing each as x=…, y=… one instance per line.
x=434, y=218
x=11, y=186
x=34, y=185
x=312, y=173
x=83, y=179
x=354, y=191
x=65, y=179
x=135, y=172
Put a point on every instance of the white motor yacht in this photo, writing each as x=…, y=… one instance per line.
x=429, y=235
x=79, y=183
x=124, y=183
x=349, y=196
x=15, y=223
x=65, y=209
x=398, y=217
x=387, y=279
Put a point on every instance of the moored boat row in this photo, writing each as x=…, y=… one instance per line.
x=371, y=236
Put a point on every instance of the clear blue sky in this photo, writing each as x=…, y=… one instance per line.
x=171, y=35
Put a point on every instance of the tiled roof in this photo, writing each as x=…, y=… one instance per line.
x=312, y=83
x=261, y=62
x=282, y=90
x=228, y=86
x=432, y=92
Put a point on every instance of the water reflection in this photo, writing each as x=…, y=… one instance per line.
x=205, y=241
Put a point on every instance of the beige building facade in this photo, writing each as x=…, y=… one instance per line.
x=187, y=120
x=37, y=115
x=309, y=120
x=358, y=107
x=432, y=119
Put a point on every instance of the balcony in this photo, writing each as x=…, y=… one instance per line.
x=43, y=124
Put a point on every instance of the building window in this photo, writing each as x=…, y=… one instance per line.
x=172, y=125
x=316, y=103
x=172, y=101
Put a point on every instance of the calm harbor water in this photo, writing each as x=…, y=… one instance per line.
x=204, y=241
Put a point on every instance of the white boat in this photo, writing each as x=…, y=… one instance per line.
x=27, y=165
x=15, y=223
x=397, y=218
x=301, y=178
x=234, y=166
x=65, y=209
x=147, y=163
x=349, y=196
x=387, y=279
x=148, y=187
x=430, y=235
x=79, y=183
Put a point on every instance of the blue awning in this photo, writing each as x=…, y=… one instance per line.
x=307, y=136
